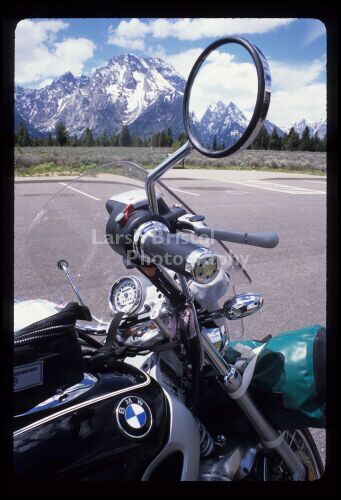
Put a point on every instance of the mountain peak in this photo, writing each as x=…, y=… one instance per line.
x=319, y=127
x=145, y=93
x=67, y=77
x=115, y=94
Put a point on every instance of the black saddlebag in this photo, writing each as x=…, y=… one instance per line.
x=47, y=357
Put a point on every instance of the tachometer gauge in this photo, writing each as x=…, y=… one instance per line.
x=125, y=295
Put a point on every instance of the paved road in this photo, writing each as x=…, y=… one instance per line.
x=291, y=277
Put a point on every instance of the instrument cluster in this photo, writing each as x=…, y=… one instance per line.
x=130, y=294
x=134, y=296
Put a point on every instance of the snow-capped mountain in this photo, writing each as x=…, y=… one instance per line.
x=224, y=124
x=221, y=123
x=270, y=126
x=144, y=93
x=319, y=127
x=118, y=94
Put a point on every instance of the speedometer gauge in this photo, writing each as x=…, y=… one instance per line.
x=125, y=295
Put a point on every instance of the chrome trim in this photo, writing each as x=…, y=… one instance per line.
x=140, y=294
x=158, y=171
x=262, y=103
x=72, y=392
x=242, y=305
x=197, y=260
x=82, y=405
x=147, y=229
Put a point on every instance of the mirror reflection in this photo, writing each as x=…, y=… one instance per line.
x=223, y=97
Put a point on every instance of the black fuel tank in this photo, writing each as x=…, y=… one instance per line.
x=110, y=433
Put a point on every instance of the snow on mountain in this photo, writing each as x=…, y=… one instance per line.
x=270, y=126
x=221, y=123
x=319, y=127
x=115, y=95
x=144, y=93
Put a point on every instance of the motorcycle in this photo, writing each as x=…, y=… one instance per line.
x=151, y=385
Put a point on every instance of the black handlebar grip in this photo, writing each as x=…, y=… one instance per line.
x=182, y=256
x=267, y=239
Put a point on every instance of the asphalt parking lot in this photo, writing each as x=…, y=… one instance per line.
x=291, y=278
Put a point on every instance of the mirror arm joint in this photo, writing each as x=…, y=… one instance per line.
x=161, y=169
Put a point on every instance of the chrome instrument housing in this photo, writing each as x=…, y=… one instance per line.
x=242, y=305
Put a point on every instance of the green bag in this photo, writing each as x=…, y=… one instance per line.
x=289, y=376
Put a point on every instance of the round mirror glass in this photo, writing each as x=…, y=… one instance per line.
x=226, y=98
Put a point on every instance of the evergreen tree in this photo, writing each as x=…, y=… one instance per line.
x=124, y=137
x=163, y=141
x=293, y=141
x=182, y=138
x=74, y=142
x=275, y=141
x=49, y=140
x=62, y=135
x=87, y=138
x=36, y=141
x=22, y=137
x=284, y=142
x=262, y=140
x=169, y=136
x=155, y=142
x=136, y=141
x=105, y=141
x=306, y=143
x=321, y=144
x=114, y=140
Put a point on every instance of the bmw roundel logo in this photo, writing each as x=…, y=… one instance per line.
x=134, y=417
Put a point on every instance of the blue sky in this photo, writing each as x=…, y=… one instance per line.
x=295, y=49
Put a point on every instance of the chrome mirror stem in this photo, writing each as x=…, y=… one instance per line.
x=158, y=171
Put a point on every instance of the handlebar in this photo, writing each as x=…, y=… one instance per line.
x=268, y=239
x=153, y=240
x=180, y=255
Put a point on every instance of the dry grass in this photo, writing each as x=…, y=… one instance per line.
x=39, y=160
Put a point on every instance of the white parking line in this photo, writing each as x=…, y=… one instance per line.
x=279, y=188
x=185, y=192
x=81, y=192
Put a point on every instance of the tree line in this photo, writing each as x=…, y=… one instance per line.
x=289, y=142
x=61, y=137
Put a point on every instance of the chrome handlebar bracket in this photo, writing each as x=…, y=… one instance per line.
x=162, y=168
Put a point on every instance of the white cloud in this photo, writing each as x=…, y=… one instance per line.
x=298, y=90
x=38, y=56
x=196, y=29
x=290, y=76
x=316, y=31
x=129, y=34
x=290, y=106
x=183, y=61
x=223, y=77
x=132, y=33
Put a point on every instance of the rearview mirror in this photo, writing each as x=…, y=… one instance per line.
x=227, y=97
x=226, y=100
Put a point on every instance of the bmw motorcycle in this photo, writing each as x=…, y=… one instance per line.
x=153, y=381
